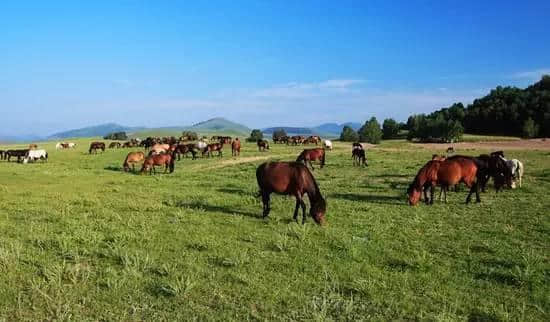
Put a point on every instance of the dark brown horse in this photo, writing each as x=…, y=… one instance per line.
x=184, y=149
x=20, y=153
x=309, y=155
x=445, y=174
x=133, y=158
x=291, y=178
x=236, y=147
x=166, y=160
x=94, y=146
x=114, y=145
x=359, y=157
x=262, y=145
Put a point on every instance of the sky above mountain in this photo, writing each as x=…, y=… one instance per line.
x=68, y=64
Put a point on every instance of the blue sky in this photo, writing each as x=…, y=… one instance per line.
x=67, y=64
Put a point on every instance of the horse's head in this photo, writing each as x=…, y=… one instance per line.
x=318, y=210
x=414, y=195
x=502, y=173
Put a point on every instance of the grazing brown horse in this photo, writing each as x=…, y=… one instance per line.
x=262, y=145
x=166, y=160
x=214, y=147
x=291, y=178
x=236, y=147
x=309, y=155
x=113, y=145
x=133, y=158
x=445, y=173
x=94, y=146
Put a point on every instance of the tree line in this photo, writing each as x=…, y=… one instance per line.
x=504, y=111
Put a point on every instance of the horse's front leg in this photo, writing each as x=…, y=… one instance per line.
x=296, y=210
x=303, y=204
x=432, y=192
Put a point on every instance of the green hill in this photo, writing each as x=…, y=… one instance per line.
x=215, y=126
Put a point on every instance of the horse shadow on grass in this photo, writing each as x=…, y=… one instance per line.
x=197, y=205
x=120, y=169
x=234, y=191
x=386, y=200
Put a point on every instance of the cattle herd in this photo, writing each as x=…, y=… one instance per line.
x=295, y=178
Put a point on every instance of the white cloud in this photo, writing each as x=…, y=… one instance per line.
x=531, y=74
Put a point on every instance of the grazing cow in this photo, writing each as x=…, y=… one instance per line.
x=33, y=155
x=236, y=147
x=327, y=144
x=262, y=145
x=291, y=178
x=132, y=158
x=94, y=146
x=309, y=155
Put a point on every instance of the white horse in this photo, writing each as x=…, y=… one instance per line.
x=72, y=145
x=327, y=144
x=33, y=155
x=516, y=167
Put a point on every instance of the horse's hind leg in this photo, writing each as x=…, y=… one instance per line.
x=265, y=201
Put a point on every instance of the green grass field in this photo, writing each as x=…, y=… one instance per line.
x=82, y=240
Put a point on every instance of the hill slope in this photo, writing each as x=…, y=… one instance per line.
x=219, y=124
x=97, y=130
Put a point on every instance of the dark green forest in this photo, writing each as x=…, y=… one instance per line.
x=504, y=111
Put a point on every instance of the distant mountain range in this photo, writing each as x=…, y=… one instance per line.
x=330, y=129
x=215, y=125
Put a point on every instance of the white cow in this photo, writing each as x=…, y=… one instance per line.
x=33, y=155
x=327, y=144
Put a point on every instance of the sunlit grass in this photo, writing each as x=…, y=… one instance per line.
x=81, y=239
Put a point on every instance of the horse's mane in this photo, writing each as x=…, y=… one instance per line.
x=429, y=170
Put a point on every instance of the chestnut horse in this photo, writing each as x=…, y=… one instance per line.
x=308, y=155
x=236, y=147
x=166, y=160
x=291, y=178
x=133, y=158
x=262, y=145
x=445, y=173
x=94, y=146
x=214, y=147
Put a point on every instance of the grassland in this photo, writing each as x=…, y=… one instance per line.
x=82, y=240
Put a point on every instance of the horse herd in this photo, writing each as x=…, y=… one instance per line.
x=296, y=179
x=31, y=154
